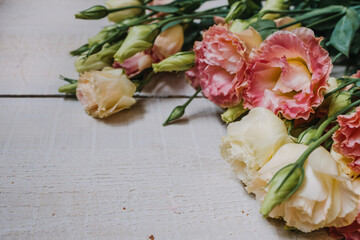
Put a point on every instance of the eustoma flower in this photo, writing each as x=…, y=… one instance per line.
x=166, y=44
x=105, y=92
x=325, y=198
x=347, y=138
x=288, y=74
x=251, y=142
x=220, y=63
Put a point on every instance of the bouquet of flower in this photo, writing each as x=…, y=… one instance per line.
x=296, y=144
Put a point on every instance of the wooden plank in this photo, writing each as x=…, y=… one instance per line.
x=64, y=175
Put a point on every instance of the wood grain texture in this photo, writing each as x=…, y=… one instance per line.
x=64, y=175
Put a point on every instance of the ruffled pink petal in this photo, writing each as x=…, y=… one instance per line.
x=192, y=76
x=350, y=232
x=135, y=64
x=220, y=65
x=356, y=75
x=347, y=138
x=288, y=74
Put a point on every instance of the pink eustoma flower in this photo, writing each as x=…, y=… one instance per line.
x=220, y=64
x=350, y=232
x=347, y=138
x=288, y=74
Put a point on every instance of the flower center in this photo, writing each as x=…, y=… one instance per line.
x=293, y=77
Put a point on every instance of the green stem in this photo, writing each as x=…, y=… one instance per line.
x=263, y=13
x=323, y=20
x=192, y=97
x=314, y=145
x=352, y=80
x=130, y=7
x=307, y=18
x=326, y=123
x=336, y=57
x=69, y=80
x=191, y=16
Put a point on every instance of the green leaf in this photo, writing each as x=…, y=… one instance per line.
x=163, y=8
x=344, y=31
x=171, y=24
x=264, y=27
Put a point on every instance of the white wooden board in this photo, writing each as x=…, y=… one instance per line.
x=64, y=175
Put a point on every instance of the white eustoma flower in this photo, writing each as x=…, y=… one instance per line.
x=105, y=92
x=252, y=141
x=325, y=198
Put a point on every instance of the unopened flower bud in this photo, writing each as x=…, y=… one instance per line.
x=274, y=5
x=68, y=88
x=240, y=24
x=176, y=114
x=139, y=38
x=123, y=14
x=95, y=12
x=181, y=61
x=235, y=10
x=97, y=61
x=307, y=136
x=339, y=102
x=168, y=42
x=231, y=114
x=242, y=9
x=284, y=183
x=83, y=64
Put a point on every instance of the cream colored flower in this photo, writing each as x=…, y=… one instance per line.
x=325, y=198
x=252, y=142
x=105, y=92
x=343, y=163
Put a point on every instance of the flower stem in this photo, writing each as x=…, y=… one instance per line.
x=326, y=123
x=351, y=81
x=316, y=144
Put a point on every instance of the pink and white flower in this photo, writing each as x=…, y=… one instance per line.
x=288, y=74
x=220, y=64
x=347, y=138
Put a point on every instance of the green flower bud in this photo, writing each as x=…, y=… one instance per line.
x=91, y=63
x=307, y=136
x=68, y=89
x=274, y=5
x=95, y=12
x=239, y=25
x=181, y=61
x=118, y=16
x=101, y=36
x=139, y=38
x=231, y=114
x=339, y=102
x=97, y=61
x=107, y=52
x=176, y=114
x=241, y=9
x=236, y=10
x=284, y=183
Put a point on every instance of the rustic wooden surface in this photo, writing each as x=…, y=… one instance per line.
x=64, y=175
